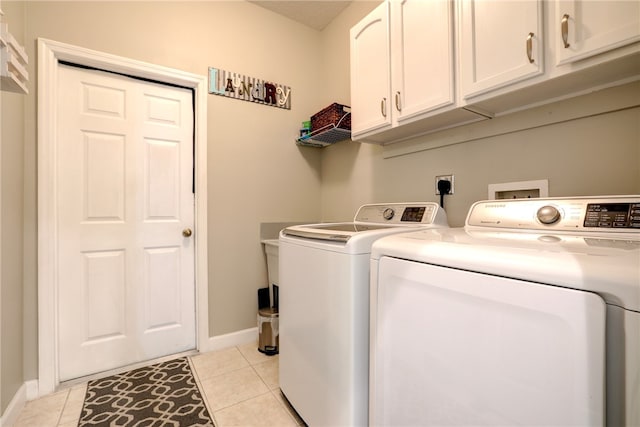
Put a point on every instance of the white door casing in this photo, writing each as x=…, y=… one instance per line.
x=49, y=53
x=124, y=180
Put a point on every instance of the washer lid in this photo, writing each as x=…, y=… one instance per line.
x=605, y=264
x=374, y=218
x=337, y=232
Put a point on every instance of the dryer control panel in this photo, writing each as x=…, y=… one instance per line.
x=599, y=214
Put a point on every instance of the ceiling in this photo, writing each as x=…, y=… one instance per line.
x=312, y=13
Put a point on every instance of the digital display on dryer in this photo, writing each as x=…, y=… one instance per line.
x=413, y=214
x=613, y=215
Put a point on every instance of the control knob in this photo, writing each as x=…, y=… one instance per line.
x=548, y=214
x=388, y=213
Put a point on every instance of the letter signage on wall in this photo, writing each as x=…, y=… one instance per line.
x=245, y=88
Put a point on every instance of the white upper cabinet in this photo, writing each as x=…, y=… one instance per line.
x=501, y=43
x=403, y=71
x=419, y=66
x=585, y=28
x=370, y=72
x=422, y=67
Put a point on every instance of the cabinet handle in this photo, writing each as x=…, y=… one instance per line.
x=383, y=107
x=530, y=47
x=565, y=30
x=398, y=101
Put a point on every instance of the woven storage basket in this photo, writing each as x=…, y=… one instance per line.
x=335, y=114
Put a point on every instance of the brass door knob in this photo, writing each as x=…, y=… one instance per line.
x=187, y=232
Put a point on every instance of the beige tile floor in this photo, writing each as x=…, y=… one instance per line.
x=240, y=385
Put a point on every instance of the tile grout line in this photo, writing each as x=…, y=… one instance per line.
x=64, y=405
x=269, y=389
x=205, y=399
x=274, y=392
x=225, y=373
x=283, y=405
x=251, y=365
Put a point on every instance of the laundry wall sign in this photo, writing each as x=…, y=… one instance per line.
x=245, y=88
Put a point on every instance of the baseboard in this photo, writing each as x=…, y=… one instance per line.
x=10, y=415
x=33, y=391
x=229, y=340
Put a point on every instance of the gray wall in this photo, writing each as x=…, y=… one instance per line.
x=11, y=227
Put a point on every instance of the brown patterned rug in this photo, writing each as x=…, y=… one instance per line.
x=164, y=394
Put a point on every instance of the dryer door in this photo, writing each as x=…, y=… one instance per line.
x=452, y=347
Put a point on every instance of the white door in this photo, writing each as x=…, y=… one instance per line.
x=126, y=289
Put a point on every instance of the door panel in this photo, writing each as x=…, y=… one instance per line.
x=104, y=177
x=162, y=287
x=162, y=167
x=126, y=290
x=103, y=288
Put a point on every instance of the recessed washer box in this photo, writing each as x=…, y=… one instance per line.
x=519, y=190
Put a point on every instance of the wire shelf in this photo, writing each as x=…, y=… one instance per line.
x=326, y=135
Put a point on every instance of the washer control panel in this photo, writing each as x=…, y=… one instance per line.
x=401, y=213
x=601, y=214
x=613, y=215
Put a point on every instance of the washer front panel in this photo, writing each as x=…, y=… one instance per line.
x=455, y=347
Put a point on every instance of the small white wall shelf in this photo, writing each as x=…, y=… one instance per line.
x=13, y=63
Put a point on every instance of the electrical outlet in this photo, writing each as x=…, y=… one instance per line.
x=445, y=178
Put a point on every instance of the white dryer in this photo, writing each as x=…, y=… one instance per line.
x=324, y=309
x=529, y=315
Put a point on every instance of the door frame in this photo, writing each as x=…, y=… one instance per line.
x=49, y=54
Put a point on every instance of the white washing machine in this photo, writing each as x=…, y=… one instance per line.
x=529, y=315
x=324, y=309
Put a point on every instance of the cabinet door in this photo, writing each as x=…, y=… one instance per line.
x=500, y=43
x=422, y=56
x=370, y=68
x=587, y=28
